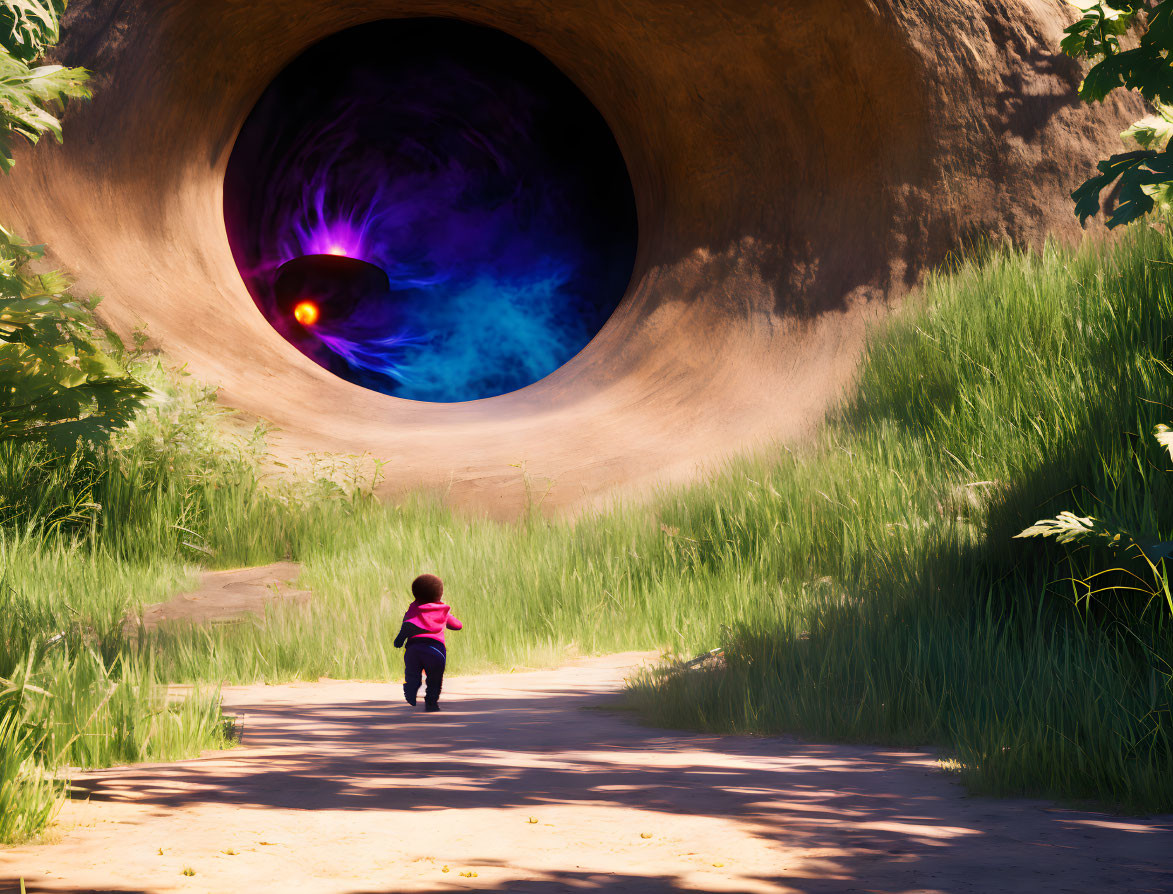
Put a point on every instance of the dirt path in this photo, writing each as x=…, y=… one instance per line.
x=229, y=595
x=339, y=787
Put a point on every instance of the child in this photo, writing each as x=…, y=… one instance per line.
x=423, y=631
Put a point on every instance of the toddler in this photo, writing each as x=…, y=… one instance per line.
x=423, y=630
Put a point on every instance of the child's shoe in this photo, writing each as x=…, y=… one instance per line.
x=431, y=706
x=410, y=696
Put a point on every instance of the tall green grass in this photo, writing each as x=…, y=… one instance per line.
x=1010, y=388
x=865, y=585
x=77, y=710
x=28, y=794
x=181, y=484
x=87, y=539
x=63, y=704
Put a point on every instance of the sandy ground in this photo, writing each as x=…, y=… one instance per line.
x=227, y=596
x=528, y=781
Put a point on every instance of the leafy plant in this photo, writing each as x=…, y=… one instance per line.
x=31, y=97
x=59, y=385
x=1145, y=174
x=29, y=27
x=1067, y=527
x=56, y=382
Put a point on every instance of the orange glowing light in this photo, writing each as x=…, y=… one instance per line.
x=306, y=313
x=337, y=250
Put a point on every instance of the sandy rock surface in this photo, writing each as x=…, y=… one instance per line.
x=530, y=782
x=796, y=168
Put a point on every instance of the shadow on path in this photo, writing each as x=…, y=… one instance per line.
x=828, y=818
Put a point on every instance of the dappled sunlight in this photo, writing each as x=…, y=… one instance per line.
x=531, y=782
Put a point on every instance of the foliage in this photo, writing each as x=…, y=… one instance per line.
x=56, y=382
x=1144, y=67
x=183, y=481
x=28, y=795
x=31, y=97
x=61, y=393
x=1069, y=528
x=29, y=27
x=88, y=711
x=71, y=695
x=1145, y=175
x=889, y=599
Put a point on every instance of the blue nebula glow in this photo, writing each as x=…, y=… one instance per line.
x=466, y=167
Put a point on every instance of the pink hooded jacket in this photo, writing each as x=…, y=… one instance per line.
x=432, y=618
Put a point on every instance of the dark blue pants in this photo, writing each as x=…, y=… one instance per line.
x=420, y=657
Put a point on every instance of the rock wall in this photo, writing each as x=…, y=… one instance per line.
x=797, y=165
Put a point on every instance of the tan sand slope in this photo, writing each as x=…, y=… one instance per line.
x=795, y=164
x=340, y=787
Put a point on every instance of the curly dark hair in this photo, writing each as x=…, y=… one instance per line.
x=427, y=588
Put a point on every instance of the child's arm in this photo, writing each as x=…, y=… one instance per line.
x=453, y=623
x=406, y=631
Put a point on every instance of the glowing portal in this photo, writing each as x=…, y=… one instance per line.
x=306, y=313
x=454, y=206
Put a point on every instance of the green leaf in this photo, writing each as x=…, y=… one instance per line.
x=1160, y=25
x=1087, y=196
x=1097, y=32
x=57, y=383
x=1132, y=201
x=1146, y=179
x=1152, y=131
x=1104, y=77
x=28, y=27
x=1164, y=436
x=30, y=99
x=1066, y=527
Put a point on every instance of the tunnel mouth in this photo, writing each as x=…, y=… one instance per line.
x=430, y=209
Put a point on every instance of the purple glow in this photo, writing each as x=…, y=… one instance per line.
x=466, y=168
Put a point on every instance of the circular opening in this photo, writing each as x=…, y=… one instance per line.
x=430, y=209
